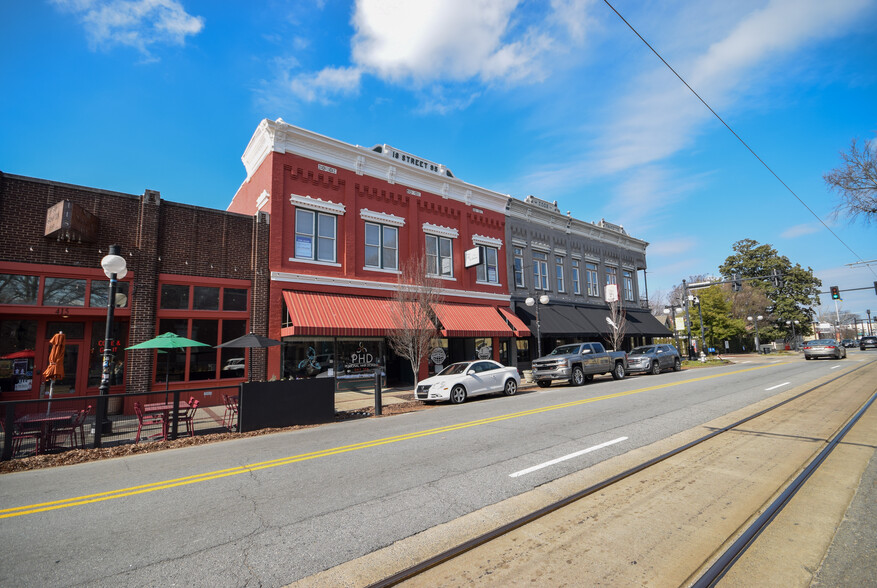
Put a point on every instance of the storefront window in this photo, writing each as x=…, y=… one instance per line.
x=18, y=339
x=64, y=292
x=172, y=361
x=73, y=330
x=100, y=291
x=118, y=342
x=438, y=355
x=174, y=297
x=233, y=359
x=17, y=289
x=234, y=299
x=205, y=298
x=357, y=361
x=483, y=348
x=523, y=350
x=202, y=364
x=311, y=358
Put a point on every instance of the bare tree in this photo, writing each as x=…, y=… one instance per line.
x=416, y=320
x=856, y=181
x=618, y=324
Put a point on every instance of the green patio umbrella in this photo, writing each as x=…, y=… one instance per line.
x=168, y=341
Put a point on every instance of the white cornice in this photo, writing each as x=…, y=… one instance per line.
x=381, y=217
x=488, y=241
x=280, y=137
x=317, y=204
x=370, y=285
x=440, y=230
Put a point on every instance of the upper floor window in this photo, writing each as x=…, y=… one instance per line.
x=611, y=275
x=627, y=285
x=519, y=267
x=558, y=263
x=591, y=273
x=540, y=270
x=19, y=289
x=381, y=246
x=576, y=277
x=439, y=256
x=488, y=268
x=315, y=235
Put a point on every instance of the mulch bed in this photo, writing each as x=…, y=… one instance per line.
x=75, y=456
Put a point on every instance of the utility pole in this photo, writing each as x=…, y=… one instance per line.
x=687, y=303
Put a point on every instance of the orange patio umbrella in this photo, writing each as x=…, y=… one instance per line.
x=55, y=371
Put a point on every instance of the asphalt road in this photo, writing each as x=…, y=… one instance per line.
x=266, y=511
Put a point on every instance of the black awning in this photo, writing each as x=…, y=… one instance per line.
x=646, y=324
x=556, y=319
x=596, y=317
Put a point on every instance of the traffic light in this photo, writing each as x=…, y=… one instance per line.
x=875, y=287
x=835, y=293
x=777, y=279
x=737, y=285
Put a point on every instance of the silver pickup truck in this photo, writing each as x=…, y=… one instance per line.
x=577, y=363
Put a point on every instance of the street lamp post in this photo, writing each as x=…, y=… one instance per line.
x=672, y=312
x=700, y=315
x=531, y=301
x=114, y=266
x=757, y=342
x=869, y=321
x=686, y=301
x=794, y=336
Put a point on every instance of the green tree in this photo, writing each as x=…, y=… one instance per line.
x=792, y=299
x=719, y=322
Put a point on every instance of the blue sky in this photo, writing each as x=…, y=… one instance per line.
x=557, y=99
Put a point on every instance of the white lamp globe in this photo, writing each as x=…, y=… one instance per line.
x=543, y=299
x=113, y=264
x=530, y=301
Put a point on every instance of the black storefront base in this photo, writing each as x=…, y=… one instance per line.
x=285, y=403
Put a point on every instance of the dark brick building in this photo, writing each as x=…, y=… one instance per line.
x=195, y=271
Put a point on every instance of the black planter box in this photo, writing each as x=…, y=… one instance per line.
x=285, y=403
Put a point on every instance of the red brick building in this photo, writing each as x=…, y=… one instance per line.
x=198, y=272
x=344, y=218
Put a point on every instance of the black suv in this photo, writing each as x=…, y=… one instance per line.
x=866, y=342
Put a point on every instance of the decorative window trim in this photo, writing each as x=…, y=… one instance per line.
x=440, y=231
x=487, y=241
x=317, y=204
x=541, y=246
x=560, y=252
x=519, y=243
x=381, y=218
x=315, y=262
x=382, y=270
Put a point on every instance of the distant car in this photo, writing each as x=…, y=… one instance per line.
x=824, y=348
x=461, y=380
x=237, y=364
x=653, y=358
x=867, y=343
x=848, y=343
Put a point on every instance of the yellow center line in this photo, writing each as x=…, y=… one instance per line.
x=214, y=475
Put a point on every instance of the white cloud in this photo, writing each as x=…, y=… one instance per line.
x=673, y=247
x=801, y=230
x=325, y=85
x=659, y=116
x=134, y=23
x=433, y=40
x=440, y=49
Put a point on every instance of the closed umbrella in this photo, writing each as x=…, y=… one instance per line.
x=168, y=341
x=55, y=371
x=250, y=341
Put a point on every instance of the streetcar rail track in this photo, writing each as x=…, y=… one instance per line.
x=725, y=560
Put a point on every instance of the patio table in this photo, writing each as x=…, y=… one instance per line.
x=45, y=421
x=164, y=408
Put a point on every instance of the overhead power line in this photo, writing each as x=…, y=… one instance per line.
x=727, y=126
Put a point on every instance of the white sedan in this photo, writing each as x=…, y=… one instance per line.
x=458, y=381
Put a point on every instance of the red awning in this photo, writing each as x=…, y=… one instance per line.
x=463, y=320
x=517, y=324
x=314, y=313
